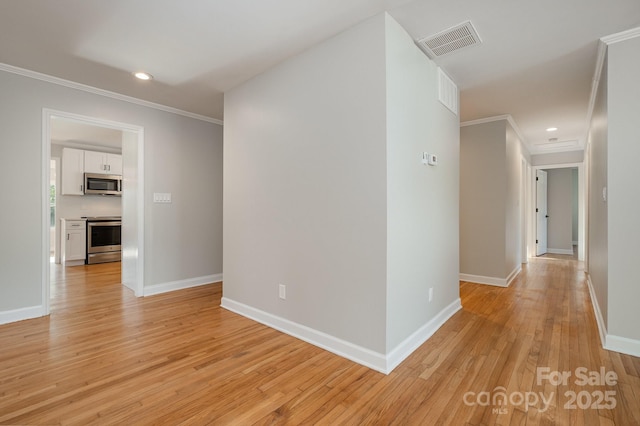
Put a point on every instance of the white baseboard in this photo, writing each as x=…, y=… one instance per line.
x=22, y=314
x=374, y=360
x=38, y=311
x=479, y=279
x=559, y=251
x=364, y=356
x=602, y=328
x=611, y=342
x=623, y=345
x=413, y=342
x=512, y=276
x=181, y=284
x=499, y=282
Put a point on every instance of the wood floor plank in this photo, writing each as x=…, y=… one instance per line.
x=107, y=357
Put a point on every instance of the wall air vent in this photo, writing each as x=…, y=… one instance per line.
x=447, y=92
x=450, y=40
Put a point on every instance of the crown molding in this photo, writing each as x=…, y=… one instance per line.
x=602, y=54
x=485, y=120
x=621, y=36
x=106, y=93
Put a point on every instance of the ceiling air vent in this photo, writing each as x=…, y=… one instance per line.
x=555, y=144
x=448, y=41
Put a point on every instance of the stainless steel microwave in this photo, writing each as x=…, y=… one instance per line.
x=96, y=183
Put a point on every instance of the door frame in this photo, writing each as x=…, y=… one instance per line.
x=581, y=205
x=137, y=260
x=525, y=170
x=56, y=242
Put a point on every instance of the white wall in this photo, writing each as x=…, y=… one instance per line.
x=325, y=193
x=560, y=210
x=131, y=273
x=569, y=157
x=422, y=206
x=183, y=240
x=305, y=201
x=623, y=195
x=182, y=155
x=483, y=187
x=598, y=251
x=491, y=195
x=612, y=221
x=513, y=215
x=575, y=205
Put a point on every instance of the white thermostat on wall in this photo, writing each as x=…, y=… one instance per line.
x=430, y=159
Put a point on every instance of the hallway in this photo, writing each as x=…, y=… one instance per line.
x=544, y=322
x=107, y=357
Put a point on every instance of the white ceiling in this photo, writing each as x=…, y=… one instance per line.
x=72, y=133
x=536, y=62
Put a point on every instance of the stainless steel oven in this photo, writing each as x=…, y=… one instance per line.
x=104, y=239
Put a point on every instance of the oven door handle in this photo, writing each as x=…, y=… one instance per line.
x=104, y=223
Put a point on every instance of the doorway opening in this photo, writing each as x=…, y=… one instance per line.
x=130, y=206
x=559, y=209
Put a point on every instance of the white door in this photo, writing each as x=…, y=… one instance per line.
x=541, y=212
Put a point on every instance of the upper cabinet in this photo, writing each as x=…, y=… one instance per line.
x=77, y=162
x=101, y=162
x=72, y=171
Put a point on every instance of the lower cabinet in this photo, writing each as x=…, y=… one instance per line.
x=73, y=245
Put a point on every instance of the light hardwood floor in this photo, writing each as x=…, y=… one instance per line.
x=106, y=357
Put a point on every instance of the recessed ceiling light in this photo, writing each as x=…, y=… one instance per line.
x=143, y=75
x=552, y=129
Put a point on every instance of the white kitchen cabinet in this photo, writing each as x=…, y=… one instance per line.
x=94, y=162
x=72, y=171
x=103, y=163
x=114, y=161
x=73, y=246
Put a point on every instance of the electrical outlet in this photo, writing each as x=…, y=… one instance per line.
x=430, y=294
x=282, y=291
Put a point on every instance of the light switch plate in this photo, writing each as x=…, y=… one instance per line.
x=161, y=197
